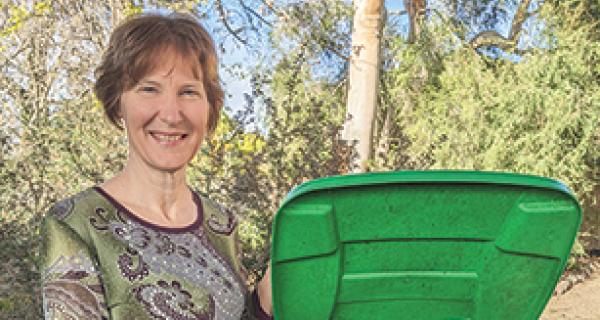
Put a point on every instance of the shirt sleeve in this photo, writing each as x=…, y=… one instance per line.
x=71, y=283
x=254, y=309
x=224, y=233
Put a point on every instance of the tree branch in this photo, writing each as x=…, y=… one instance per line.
x=492, y=38
x=12, y=58
x=223, y=18
x=255, y=14
x=279, y=13
x=519, y=19
x=338, y=53
x=397, y=12
x=454, y=26
x=330, y=46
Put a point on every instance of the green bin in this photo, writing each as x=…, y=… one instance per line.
x=421, y=245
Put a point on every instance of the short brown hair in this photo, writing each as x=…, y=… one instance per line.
x=132, y=51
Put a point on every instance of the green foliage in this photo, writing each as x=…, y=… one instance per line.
x=577, y=252
x=442, y=105
x=537, y=116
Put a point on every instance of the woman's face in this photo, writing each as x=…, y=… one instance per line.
x=166, y=115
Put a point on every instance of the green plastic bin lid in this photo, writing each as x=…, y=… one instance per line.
x=421, y=245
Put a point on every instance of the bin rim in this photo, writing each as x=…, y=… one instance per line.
x=425, y=177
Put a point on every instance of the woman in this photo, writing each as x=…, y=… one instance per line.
x=143, y=245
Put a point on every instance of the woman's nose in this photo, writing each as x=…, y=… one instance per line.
x=171, y=112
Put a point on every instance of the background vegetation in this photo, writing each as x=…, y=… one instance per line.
x=465, y=84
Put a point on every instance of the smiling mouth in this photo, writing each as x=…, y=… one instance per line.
x=168, y=138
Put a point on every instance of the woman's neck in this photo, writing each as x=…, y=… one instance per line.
x=159, y=192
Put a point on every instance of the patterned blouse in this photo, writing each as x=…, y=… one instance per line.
x=100, y=261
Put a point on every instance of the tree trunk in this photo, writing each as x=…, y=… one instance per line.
x=416, y=13
x=364, y=79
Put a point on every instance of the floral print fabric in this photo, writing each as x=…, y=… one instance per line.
x=100, y=261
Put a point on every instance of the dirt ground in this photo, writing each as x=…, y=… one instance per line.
x=581, y=302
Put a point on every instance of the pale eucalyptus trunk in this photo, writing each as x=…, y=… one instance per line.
x=364, y=79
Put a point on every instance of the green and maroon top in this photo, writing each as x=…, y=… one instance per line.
x=100, y=261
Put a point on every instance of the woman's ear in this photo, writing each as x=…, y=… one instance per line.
x=120, y=113
x=121, y=118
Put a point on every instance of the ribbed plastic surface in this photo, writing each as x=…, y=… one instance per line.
x=421, y=245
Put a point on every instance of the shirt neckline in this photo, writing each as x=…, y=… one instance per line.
x=194, y=225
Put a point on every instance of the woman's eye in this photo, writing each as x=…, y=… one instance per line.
x=190, y=92
x=148, y=89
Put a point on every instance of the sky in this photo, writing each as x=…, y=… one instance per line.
x=236, y=87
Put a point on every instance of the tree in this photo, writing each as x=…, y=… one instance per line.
x=364, y=78
x=444, y=101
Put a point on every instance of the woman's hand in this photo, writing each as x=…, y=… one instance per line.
x=264, y=291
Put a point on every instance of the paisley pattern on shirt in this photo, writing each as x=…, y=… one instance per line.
x=64, y=208
x=71, y=290
x=170, y=301
x=188, y=256
x=99, y=261
x=222, y=224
